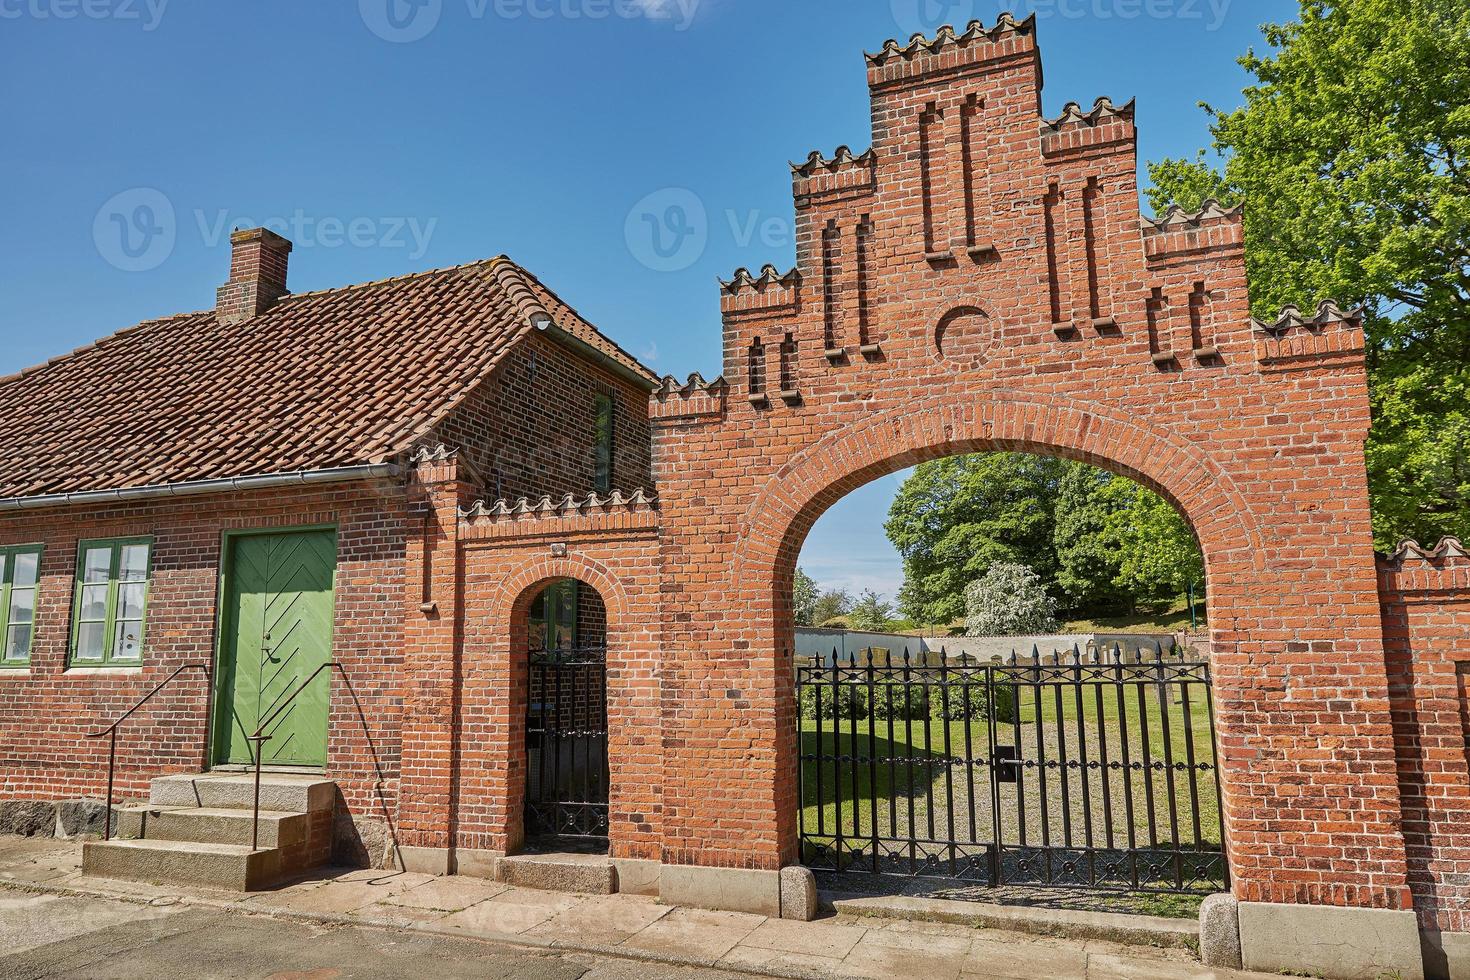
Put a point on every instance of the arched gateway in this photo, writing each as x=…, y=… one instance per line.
x=980, y=279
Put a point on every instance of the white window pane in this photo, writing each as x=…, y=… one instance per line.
x=94, y=602
x=4, y=563
x=134, y=567
x=22, y=605
x=89, y=641
x=96, y=565
x=18, y=644
x=25, y=569
x=130, y=601
x=129, y=640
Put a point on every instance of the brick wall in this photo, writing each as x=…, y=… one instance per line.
x=1426, y=623
x=530, y=429
x=46, y=710
x=981, y=280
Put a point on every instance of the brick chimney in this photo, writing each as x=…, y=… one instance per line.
x=257, y=275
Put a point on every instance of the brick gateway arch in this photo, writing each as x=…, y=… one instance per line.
x=980, y=279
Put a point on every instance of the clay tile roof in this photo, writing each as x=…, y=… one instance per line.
x=339, y=377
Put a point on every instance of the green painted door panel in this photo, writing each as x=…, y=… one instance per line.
x=276, y=630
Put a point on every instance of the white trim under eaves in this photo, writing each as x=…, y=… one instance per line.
x=265, y=481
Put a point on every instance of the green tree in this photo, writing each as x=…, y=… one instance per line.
x=870, y=614
x=1158, y=556
x=956, y=517
x=830, y=605
x=1352, y=155
x=804, y=597
x=1089, y=561
x=1009, y=600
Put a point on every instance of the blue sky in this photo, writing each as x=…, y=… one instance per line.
x=390, y=136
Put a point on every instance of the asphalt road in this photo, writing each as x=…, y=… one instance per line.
x=52, y=936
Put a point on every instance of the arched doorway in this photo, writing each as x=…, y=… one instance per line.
x=1013, y=719
x=566, y=791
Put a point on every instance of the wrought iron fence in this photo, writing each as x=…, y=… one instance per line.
x=1092, y=770
x=566, y=744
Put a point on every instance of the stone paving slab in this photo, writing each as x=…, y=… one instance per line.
x=603, y=921
x=635, y=928
x=696, y=934
x=447, y=894
x=500, y=917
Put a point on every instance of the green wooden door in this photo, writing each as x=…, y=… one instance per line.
x=276, y=629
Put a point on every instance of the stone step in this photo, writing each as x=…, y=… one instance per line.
x=587, y=874
x=288, y=792
x=211, y=825
x=232, y=867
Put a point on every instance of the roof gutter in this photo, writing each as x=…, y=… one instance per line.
x=194, y=488
x=549, y=327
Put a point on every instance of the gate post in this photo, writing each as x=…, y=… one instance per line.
x=431, y=649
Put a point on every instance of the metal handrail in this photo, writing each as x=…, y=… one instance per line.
x=112, y=731
x=260, y=738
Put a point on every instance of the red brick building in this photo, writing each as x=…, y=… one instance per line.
x=980, y=279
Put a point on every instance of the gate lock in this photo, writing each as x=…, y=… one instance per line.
x=1007, y=762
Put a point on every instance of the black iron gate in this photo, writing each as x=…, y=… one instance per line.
x=566, y=745
x=1090, y=771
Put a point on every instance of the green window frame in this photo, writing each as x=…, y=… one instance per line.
x=109, y=608
x=602, y=441
x=20, y=584
x=553, y=616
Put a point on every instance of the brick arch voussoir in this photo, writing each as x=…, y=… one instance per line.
x=520, y=588
x=801, y=490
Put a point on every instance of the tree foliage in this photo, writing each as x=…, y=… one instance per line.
x=1098, y=542
x=1352, y=155
x=1089, y=561
x=804, y=599
x=870, y=614
x=954, y=518
x=1009, y=600
x=1157, y=554
x=831, y=604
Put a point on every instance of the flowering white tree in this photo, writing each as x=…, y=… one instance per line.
x=1009, y=600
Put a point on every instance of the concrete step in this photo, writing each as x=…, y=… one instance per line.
x=288, y=792
x=232, y=867
x=586, y=874
x=211, y=825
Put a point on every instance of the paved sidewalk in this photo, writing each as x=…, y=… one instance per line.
x=624, y=926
